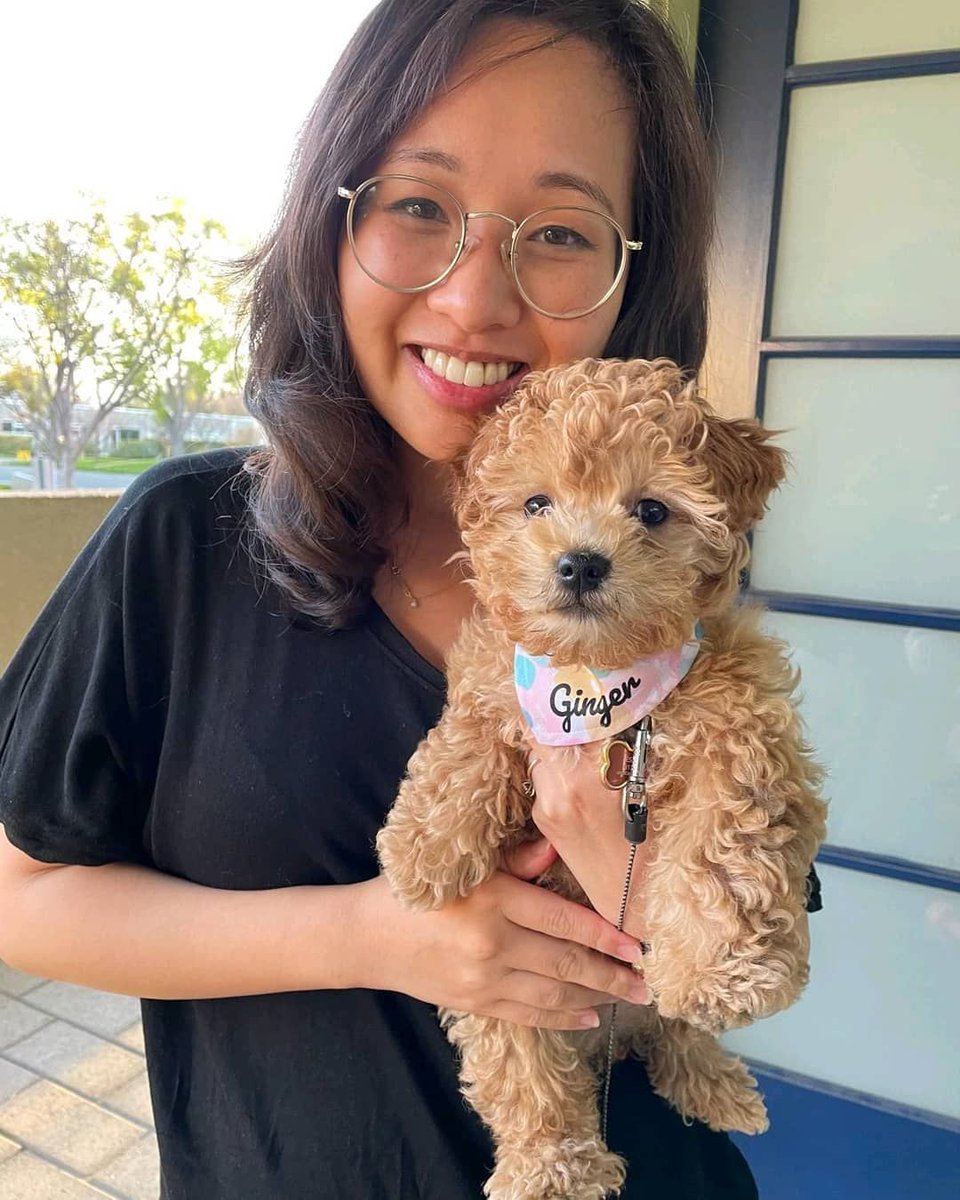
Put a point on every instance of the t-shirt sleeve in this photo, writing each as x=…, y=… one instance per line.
x=72, y=788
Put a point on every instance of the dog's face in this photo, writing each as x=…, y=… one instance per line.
x=605, y=506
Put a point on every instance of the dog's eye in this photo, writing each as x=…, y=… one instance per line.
x=651, y=512
x=536, y=504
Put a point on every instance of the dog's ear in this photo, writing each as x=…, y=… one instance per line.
x=458, y=477
x=474, y=471
x=745, y=468
x=465, y=471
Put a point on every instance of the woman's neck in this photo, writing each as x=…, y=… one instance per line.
x=421, y=590
x=429, y=536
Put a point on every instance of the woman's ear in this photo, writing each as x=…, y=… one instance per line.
x=744, y=467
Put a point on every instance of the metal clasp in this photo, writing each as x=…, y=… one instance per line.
x=634, y=792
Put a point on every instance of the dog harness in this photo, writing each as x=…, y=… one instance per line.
x=569, y=706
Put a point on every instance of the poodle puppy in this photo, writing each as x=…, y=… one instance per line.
x=604, y=508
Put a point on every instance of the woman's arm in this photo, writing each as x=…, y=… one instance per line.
x=510, y=949
x=583, y=820
x=131, y=929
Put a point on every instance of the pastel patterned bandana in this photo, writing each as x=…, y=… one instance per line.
x=568, y=706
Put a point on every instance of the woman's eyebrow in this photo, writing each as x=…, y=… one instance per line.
x=428, y=155
x=433, y=157
x=579, y=183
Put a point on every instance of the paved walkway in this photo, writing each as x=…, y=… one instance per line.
x=75, y=1120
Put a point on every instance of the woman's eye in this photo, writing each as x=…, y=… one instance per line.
x=652, y=512
x=421, y=208
x=563, y=237
x=536, y=504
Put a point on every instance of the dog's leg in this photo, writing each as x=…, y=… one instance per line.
x=538, y=1097
x=461, y=801
x=724, y=896
x=692, y=1071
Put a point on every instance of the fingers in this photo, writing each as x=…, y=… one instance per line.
x=545, y=1018
x=531, y=859
x=569, y=963
x=538, y=991
x=543, y=911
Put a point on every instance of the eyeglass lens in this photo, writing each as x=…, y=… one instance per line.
x=406, y=234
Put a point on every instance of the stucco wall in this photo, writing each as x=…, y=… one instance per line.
x=40, y=535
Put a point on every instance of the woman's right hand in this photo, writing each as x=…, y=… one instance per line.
x=509, y=949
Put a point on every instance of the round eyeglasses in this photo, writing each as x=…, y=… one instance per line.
x=408, y=235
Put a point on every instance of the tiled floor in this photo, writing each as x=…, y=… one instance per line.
x=75, y=1120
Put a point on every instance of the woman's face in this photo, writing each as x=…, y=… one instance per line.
x=500, y=142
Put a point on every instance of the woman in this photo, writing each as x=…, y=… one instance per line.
x=204, y=730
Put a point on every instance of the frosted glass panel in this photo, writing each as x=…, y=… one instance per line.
x=869, y=229
x=882, y=707
x=828, y=29
x=880, y=1013
x=871, y=510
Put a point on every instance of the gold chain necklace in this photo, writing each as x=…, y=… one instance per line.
x=414, y=600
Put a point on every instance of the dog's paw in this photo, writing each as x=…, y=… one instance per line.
x=746, y=1113
x=570, y=1170
x=710, y=1003
x=408, y=874
x=416, y=893
x=692, y=1007
x=727, y=1101
x=733, y=1110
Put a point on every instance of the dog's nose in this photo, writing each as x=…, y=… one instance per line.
x=581, y=571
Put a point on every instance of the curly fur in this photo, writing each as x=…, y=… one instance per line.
x=735, y=812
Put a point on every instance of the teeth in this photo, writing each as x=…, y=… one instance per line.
x=470, y=374
x=473, y=376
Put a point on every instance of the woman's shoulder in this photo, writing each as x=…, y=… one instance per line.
x=175, y=508
x=193, y=485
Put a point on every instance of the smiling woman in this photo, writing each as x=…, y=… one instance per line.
x=472, y=105
x=203, y=734
x=511, y=146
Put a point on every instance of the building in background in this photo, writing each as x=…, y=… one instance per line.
x=122, y=427
x=836, y=318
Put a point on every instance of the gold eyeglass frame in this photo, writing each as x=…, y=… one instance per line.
x=508, y=255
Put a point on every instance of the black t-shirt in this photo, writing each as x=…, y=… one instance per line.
x=167, y=709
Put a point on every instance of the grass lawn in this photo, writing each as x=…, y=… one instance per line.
x=116, y=466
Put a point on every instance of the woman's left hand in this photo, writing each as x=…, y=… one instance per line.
x=583, y=821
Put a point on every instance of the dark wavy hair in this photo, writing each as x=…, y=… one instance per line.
x=324, y=491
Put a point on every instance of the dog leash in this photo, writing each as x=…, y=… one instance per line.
x=633, y=794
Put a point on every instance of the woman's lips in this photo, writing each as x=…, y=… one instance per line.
x=458, y=395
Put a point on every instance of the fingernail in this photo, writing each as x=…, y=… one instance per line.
x=640, y=992
x=632, y=954
x=589, y=1020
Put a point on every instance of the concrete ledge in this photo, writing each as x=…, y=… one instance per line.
x=41, y=534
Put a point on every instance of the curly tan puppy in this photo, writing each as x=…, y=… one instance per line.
x=623, y=463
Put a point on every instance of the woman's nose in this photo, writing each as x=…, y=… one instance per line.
x=480, y=292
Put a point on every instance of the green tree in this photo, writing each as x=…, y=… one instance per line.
x=95, y=309
x=199, y=363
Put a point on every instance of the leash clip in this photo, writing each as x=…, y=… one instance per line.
x=634, y=791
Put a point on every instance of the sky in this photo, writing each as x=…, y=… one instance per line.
x=197, y=100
